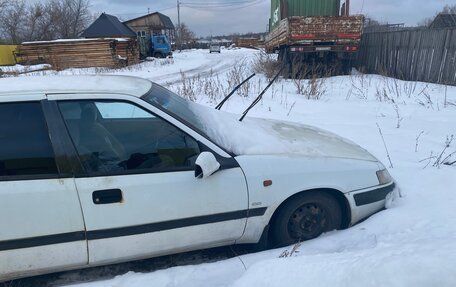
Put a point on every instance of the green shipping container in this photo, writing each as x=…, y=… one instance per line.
x=281, y=9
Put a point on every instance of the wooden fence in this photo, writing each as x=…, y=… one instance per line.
x=427, y=55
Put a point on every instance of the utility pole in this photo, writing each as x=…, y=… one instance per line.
x=147, y=23
x=179, y=26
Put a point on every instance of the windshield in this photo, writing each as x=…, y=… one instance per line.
x=171, y=103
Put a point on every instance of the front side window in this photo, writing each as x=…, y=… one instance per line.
x=25, y=147
x=114, y=137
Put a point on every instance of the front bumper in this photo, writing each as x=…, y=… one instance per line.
x=366, y=202
x=374, y=195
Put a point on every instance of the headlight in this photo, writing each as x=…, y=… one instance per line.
x=384, y=177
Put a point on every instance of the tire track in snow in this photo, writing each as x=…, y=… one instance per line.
x=203, y=71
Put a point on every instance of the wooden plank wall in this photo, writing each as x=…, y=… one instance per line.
x=427, y=55
x=248, y=42
x=107, y=53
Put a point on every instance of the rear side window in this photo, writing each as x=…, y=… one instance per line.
x=25, y=147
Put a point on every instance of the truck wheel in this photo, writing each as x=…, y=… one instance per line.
x=158, y=55
x=305, y=217
x=346, y=67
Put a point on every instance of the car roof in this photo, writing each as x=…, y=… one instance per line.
x=75, y=84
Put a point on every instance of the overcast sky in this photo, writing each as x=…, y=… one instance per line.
x=254, y=18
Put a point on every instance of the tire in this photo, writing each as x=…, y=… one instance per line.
x=304, y=217
x=346, y=67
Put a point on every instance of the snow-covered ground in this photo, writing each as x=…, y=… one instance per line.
x=18, y=69
x=413, y=243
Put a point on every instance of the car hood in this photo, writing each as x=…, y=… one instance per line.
x=312, y=141
x=255, y=136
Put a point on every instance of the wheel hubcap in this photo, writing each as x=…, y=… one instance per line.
x=307, y=222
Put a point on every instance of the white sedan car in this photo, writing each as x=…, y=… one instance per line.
x=104, y=169
x=215, y=48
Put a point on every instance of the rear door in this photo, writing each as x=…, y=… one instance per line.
x=139, y=193
x=41, y=223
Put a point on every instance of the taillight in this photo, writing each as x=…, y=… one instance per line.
x=351, y=48
x=297, y=49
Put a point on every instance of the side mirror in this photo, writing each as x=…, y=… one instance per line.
x=206, y=165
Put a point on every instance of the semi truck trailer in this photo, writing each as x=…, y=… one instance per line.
x=314, y=32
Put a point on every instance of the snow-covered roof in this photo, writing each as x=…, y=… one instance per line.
x=76, y=40
x=75, y=84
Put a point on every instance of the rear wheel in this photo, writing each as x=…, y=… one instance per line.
x=305, y=217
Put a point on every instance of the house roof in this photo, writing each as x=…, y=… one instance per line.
x=166, y=21
x=108, y=26
x=444, y=21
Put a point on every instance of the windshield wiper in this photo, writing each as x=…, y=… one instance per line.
x=220, y=105
x=260, y=96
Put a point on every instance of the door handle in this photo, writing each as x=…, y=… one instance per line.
x=107, y=196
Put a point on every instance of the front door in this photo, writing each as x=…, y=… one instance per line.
x=139, y=196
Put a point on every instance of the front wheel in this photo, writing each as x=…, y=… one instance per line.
x=305, y=217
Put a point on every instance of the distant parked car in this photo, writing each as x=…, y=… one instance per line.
x=104, y=169
x=214, y=48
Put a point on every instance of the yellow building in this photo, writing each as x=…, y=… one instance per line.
x=7, y=55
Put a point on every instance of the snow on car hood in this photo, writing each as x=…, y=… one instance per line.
x=261, y=136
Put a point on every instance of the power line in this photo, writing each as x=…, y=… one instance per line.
x=219, y=4
x=224, y=7
x=142, y=13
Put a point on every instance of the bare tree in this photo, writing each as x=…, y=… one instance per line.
x=3, y=4
x=13, y=20
x=80, y=15
x=70, y=17
x=187, y=35
x=370, y=22
x=449, y=9
x=48, y=20
x=37, y=22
